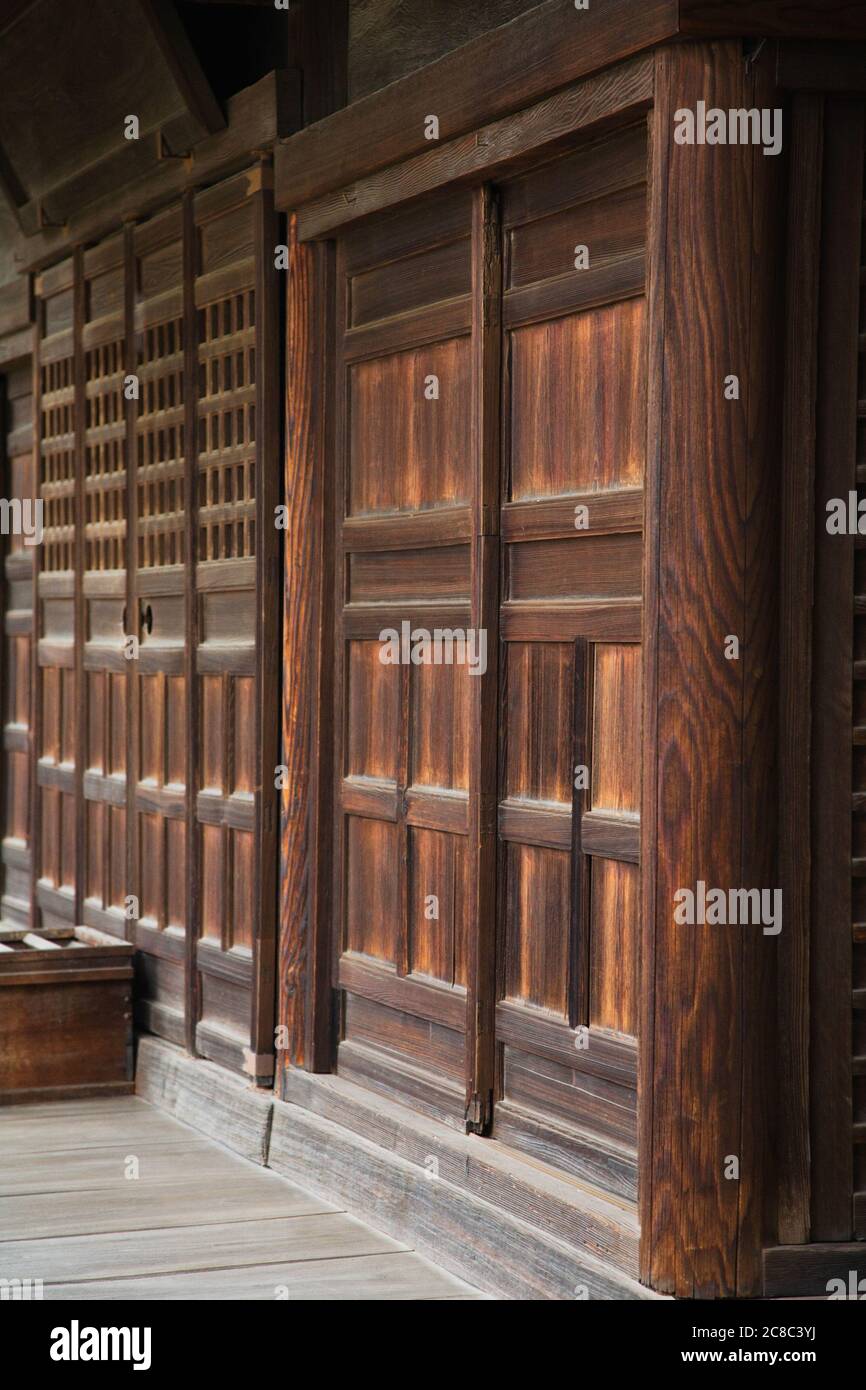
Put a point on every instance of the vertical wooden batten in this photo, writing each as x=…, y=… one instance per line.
x=267, y=623
x=484, y=582
x=79, y=314
x=190, y=441
x=710, y=721
x=795, y=605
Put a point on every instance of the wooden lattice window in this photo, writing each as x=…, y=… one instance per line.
x=57, y=464
x=160, y=446
x=227, y=428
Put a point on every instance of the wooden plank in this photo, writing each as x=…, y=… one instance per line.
x=592, y=104
x=502, y=71
x=227, y=1245
x=832, y=705
x=700, y=1228
x=73, y=1170
x=202, y=1095
x=508, y=1257
x=559, y=1205
x=255, y=1195
x=24, y=1134
x=795, y=603
x=393, y=1276
x=794, y=1271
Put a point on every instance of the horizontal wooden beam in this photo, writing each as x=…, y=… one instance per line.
x=504, y=70
x=772, y=19
x=796, y=1271
x=515, y=64
x=830, y=67
x=591, y=103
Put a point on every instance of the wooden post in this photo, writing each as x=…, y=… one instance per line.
x=305, y=812
x=709, y=721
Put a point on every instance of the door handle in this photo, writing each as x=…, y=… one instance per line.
x=145, y=619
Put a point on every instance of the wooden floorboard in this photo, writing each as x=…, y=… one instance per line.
x=397, y=1275
x=197, y=1223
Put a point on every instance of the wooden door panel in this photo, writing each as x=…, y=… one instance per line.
x=56, y=779
x=104, y=588
x=157, y=620
x=571, y=432
x=235, y=406
x=574, y=424
x=17, y=655
x=406, y=482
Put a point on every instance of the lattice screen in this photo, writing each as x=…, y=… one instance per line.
x=57, y=464
x=227, y=427
x=160, y=446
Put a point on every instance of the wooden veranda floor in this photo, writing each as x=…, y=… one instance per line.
x=198, y=1222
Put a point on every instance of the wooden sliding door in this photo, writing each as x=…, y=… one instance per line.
x=57, y=803
x=491, y=422
x=161, y=727
x=236, y=615
x=106, y=673
x=404, y=515
x=574, y=413
x=157, y=712
x=17, y=654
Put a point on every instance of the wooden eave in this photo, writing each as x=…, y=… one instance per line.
x=256, y=118
x=510, y=67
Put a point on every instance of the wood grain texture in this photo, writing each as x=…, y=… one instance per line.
x=499, y=72
x=591, y=105
x=702, y=1232
x=303, y=969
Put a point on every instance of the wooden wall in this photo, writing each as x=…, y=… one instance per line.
x=390, y=38
x=156, y=713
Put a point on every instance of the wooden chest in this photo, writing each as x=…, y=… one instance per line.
x=65, y=1014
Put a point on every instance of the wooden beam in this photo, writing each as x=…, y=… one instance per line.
x=795, y=626
x=183, y=64
x=804, y=1271
x=257, y=117
x=705, y=1090
x=594, y=103
x=508, y=68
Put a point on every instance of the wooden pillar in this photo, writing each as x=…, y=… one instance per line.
x=709, y=721
x=305, y=813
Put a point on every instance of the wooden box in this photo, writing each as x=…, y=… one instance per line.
x=65, y=1014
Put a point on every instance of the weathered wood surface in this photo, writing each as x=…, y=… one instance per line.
x=397, y=1275
x=556, y=1204
x=205, y=1096
x=502, y=71
x=501, y=1254
x=712, y=719
x=199, y=1222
